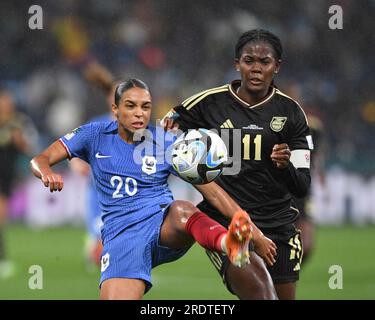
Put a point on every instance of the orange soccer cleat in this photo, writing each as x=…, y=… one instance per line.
x=238, y=238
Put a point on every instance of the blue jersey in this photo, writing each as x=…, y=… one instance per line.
x=93, y=211
x=131, y=179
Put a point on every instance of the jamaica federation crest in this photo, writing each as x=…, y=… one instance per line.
x=277, y=123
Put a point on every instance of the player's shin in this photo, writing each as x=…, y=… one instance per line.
x=206, y=231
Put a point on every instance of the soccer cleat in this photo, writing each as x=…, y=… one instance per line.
x=238, y=238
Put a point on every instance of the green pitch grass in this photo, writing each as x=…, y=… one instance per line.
x=59, y=251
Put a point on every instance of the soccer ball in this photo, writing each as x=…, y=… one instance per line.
x=199, y=156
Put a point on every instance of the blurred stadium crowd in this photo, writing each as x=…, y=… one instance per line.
x=181, y=47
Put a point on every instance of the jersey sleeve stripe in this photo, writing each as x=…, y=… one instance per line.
x=200, y=98
x=66, y=148
x=188, y=101
x=295, y=209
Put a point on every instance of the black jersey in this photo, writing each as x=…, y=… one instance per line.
x=259, y=187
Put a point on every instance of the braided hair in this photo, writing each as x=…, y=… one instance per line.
x=259, y=35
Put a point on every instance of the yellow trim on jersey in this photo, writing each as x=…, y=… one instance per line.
x=192, y=101
x=204, y=96
x=295, y=209
x=247, y=104
x=284, y=95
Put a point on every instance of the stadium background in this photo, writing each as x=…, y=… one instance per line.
x=179, y=48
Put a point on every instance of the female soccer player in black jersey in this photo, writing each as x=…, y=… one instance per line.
x=271, y=131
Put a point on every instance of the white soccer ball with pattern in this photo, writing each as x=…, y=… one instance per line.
x=199, y=156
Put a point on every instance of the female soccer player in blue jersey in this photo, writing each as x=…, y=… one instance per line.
x=143, y=227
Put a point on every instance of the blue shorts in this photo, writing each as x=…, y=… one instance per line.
x=136, y=250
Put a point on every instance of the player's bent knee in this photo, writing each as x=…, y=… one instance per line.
x=182, y=210
x=173, y=232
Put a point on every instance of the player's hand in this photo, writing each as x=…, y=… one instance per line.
x=53, y=180
x=265, y=248
x=169, y=124
x=281, y=155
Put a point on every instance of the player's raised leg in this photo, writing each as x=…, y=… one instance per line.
x=238, y=238
x=185, y=224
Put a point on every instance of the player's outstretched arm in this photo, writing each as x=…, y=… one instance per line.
x=168, y=122
x=218, y=198
x=41, y=166
x=221, y=200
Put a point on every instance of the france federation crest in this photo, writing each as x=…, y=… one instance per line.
x=149, y=164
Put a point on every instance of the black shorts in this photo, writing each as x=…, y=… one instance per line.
x=288, y=259
x=289, y=254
